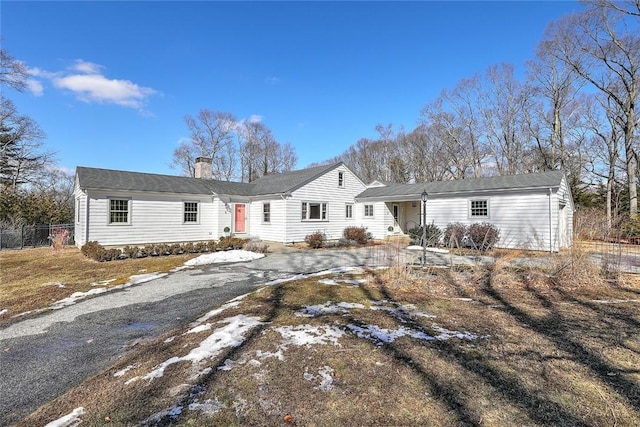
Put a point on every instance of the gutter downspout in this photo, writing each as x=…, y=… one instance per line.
x=550, y=224
x=285, y=196
x=86, y=214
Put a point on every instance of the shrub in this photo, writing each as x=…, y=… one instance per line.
x=228, y=243
x=130, y=251
x=258, y=247
x=454, y=234
x=433, y=234
x=91, y=249
x=316, y=240
x=483, y=235
x=358, y=234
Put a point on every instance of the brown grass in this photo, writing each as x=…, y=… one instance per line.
x=33, y=279
x=549, y=354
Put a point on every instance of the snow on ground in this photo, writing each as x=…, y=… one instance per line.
x=224, y=256
x=325, y=375
x=3, y=311
x=71, y=419
x=76, y=296
x=433, y=250
x=231, y=335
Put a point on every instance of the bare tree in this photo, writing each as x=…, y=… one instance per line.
x=22, y=154
x=600, y=47
x=261, y=154
x=13, y=73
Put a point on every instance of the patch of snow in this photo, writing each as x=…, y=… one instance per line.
x=330, y=282
x=326, y=308
x=233, y=303
x=209, y=406
x=309, y=335
x=615, y=301
x=231, y=335
x=69, y=419
x=224, y=256
x=168, y=340
x=132, y=380
x=337, y=270
x=265, y=354
x=326, y=378
x=383, y=335
x=446, y=334
x=125, y=370
x=76, y=296
x=102, y=282
x=3, y=311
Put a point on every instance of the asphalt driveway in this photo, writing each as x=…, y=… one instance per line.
x=42, y=357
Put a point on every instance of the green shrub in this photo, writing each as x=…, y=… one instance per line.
x=358, y=234
x=454, y=235
x=433, y=235
x=316, y=240
x=483, y=235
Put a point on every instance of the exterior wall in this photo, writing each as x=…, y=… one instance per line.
x=522, y=217
x=273, y=230
x=153, y=219
x=565, y=215
x=80, y=216
x=323, y=189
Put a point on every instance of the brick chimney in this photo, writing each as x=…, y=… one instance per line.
x=203, y=168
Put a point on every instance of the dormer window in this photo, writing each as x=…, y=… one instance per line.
x=340, y=179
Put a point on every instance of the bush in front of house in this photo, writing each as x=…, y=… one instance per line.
x=257, y=247
x=433, y=234
x=454, y=235
x=357, y=234
x=483, y=235
x=316, y=240
x=228, y=243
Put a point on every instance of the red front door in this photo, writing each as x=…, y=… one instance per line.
x=239, y=219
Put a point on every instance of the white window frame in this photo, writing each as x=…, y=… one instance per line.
x=348, y=210
x=111, y=211
x=185, y=212
x=340, y=179
x=473, y=209
x=266, y=212
x=365, y=211
x=323, y=210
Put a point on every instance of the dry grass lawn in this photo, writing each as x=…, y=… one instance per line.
x=33, y=279
x=559, y=347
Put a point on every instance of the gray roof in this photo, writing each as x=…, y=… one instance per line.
x=115, y=180
x=413, y=191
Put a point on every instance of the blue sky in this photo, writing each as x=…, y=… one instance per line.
x=112, y=81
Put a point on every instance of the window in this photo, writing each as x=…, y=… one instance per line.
x=340, y=179
x=266, y=212
x=479, y=208
x=118, y=211
x=348, y=210
x=190, y=212
x=314, y=211
x=368, y=211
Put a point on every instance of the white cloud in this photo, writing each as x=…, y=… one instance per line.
x=255, y=118
x=86, y=80
x=35, y=87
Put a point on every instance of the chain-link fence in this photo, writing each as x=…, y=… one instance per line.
x=31, y=236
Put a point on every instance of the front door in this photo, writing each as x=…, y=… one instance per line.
x=396, y=216
x=239, y=218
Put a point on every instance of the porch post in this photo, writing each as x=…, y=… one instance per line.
x=424, y=196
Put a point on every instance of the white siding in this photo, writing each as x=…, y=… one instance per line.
x=323, y=189
x=153, y=219
x=521, y=217
x=80, y=216
x=273, y=230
